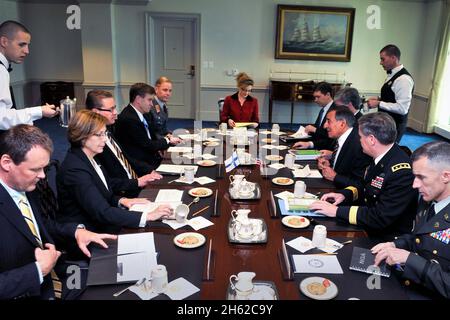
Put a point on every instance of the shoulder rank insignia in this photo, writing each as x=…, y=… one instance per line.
x=401, y=166
x=443, y=236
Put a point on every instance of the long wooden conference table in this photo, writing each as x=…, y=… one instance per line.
x=210, y=266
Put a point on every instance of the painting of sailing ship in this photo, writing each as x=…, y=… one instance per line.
x=314, y=33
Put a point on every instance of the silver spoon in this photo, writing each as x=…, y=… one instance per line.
x=137, y=284
x=197, y=199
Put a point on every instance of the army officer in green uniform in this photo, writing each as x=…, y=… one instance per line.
x=384, y=203
x=424, y=255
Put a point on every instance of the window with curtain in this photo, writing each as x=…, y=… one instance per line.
x=443, y=99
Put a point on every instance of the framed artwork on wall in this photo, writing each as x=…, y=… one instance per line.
x=314, y=33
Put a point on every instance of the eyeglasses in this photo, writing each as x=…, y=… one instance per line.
x=108, y=110
x=100, y=134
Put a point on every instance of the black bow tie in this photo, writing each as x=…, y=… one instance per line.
x=389, y=71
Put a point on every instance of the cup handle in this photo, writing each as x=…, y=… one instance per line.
x=231, y=281
x=232, y=215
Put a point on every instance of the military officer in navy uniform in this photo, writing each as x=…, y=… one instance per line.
x=384, y=203
x=424, y=254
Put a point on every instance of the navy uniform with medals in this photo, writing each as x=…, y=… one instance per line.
x=429, y=243
x=385, y=202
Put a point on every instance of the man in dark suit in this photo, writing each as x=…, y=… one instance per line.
x=429, y=266
x=385, y=202
x=350, y=98
x=135, y=135
x=113, y=159
x=323, y=96
x=27, y=250
x=347, y=163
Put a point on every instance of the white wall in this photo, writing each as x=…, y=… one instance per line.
x=235, y=34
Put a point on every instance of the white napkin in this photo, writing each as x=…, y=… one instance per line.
x=306, y=172
x=277, y=166
x=174, y=224
x=331, y=246
x=198, y=223
x=208, y=156
x=212, y=139
x=204, y=180
x=301, y=244
x=285, y=195
x=144, y=291
x=180, y=149
x=300, y=133
x=180, y=288
x=188, y=155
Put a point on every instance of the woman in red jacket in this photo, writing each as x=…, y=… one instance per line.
x=241, y=107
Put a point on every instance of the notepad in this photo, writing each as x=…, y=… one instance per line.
x=363, y=261
x=306, y=154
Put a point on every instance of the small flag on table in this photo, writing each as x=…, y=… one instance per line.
x=232, y=162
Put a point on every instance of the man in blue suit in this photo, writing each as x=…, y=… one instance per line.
x=27, y=250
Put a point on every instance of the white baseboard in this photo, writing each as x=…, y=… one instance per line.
x=442, y=130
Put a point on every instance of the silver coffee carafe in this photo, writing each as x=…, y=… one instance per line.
x=68, y=108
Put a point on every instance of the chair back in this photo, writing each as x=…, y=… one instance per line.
x=49, y=202
x=220, y=105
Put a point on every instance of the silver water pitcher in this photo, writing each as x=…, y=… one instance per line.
x=68, y=108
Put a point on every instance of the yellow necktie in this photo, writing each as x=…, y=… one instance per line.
x=26, y=213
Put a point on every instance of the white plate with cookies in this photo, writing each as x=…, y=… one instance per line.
x=189, y=240
x=318, y=288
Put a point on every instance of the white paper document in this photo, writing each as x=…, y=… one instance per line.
x=136, y=242
x=180, y=289
x=135, y=266
x=169, y=195
x=313, y=263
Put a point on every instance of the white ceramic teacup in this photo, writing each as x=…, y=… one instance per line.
x=188, y=174
x=159, y=279
x=181, y=213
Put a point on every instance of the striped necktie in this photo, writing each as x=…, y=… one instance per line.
x=333, y=155
x=122, y=157
x=27, y=215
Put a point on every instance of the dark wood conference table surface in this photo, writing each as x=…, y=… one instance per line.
x=263, y=259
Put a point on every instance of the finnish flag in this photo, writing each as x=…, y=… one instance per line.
x=232, y=162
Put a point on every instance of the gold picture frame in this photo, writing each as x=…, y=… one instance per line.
x=314, y=33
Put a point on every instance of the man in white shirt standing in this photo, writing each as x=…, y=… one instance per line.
x=396, y=93
x=14, y=47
